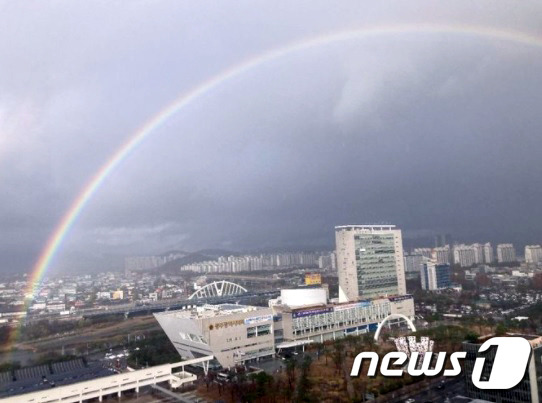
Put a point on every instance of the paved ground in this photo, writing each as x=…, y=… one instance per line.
x=186, y=397
x=276, y=364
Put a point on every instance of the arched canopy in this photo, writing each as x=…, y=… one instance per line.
x=218, y=289
x=394, y=316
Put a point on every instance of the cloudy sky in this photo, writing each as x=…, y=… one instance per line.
x=436, y=132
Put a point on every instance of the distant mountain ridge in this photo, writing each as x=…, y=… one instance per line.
x=174, y=252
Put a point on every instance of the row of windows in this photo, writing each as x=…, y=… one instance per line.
x=257, y=331
x=349, y=316
x=259, y=351
x=340, y=325
x=238, y=347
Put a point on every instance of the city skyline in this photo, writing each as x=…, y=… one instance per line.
x=247, y=201
x=413, y=246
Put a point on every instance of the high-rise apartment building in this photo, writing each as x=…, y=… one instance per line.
x=435, y=276
x=533, y=254
x=506, y=253
x=488, y=253
x=464, y=255
x=413, y=263
x=369, y=261
x=478, y=253
x=327, y=261
x=441, y=255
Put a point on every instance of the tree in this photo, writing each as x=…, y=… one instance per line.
x=482, y=280
x=320, y=348
x=303, y=388
x=368, y=340
x=263, y=384
x=500, y=330
x=291, y=365
x=338, y=354
x=537, y=281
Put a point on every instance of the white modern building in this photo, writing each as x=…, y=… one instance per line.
x=369, y=261
x=533, y=254
x=478, y=253
x=235, y=334
x=506, y=253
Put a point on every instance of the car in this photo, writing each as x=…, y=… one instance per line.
x=411, y=400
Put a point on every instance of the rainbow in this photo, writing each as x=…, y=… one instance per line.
x=71, y=215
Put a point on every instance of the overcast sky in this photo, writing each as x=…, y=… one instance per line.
x=432, y=132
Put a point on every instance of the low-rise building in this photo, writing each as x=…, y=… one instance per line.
x=235, y=334
x=118, y=294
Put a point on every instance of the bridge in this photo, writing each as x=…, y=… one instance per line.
x=218, y=289
x=181, y=303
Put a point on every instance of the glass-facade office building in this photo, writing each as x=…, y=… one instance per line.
x=435, y=276
x=369, y=261
x=375, y=264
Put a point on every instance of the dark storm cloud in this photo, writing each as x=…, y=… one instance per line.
x=432, y=132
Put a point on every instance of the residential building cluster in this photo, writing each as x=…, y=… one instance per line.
x=328, y=261
x=467, y=255
x=68, y=294
x=138, y=263
x=235, y=264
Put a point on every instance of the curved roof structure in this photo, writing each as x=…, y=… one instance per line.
x=218, y=289
x=394, y=316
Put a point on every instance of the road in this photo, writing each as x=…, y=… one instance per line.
x=440, y=390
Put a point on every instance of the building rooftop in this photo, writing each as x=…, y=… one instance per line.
x=211, y=311
x=534, y=340
x=372, y=227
